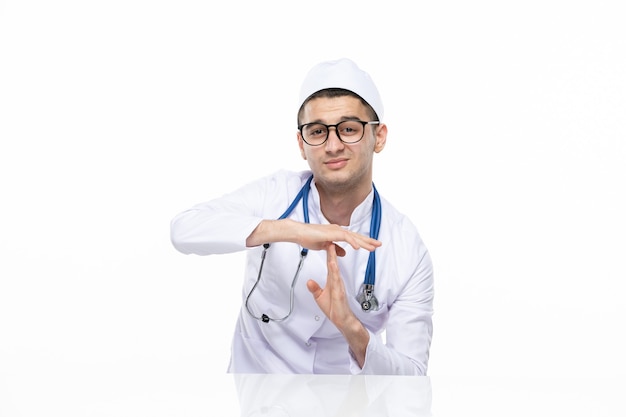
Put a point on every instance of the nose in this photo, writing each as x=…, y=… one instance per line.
x=333, y=142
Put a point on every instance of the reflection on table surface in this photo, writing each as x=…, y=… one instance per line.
x=381, y=396
x=156, y=390
x=333, y=395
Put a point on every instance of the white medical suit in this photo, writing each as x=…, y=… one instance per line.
x=307, y=342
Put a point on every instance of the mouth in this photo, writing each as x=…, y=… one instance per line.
x=336, y=163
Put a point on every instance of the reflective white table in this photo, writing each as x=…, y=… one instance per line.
x=156, y=392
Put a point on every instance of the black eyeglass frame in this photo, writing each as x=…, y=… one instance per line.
x=373, y=122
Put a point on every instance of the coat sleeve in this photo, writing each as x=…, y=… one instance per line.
x=222, y=225
x=409, y=328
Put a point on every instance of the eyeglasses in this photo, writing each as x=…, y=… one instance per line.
x=348, y=131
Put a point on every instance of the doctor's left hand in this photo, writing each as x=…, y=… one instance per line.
x=333, y=301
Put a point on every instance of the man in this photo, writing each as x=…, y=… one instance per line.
x=366, y=272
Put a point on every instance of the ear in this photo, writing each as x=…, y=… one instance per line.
x=381, y=138
x=301, y=146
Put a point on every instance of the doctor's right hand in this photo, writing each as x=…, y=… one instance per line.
x=310, y=236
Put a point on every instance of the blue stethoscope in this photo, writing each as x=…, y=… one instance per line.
x=365, y=297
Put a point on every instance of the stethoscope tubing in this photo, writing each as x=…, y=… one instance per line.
x=370, y=271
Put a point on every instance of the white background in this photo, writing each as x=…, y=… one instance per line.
x=506, y=146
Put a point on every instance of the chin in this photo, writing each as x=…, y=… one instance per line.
x=337, y=179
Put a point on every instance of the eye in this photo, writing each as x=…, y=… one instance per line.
x=315, y=131
x=350, y=128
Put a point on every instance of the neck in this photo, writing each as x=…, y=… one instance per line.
x=338, y=205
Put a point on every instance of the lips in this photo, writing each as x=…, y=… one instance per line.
x=336, y=163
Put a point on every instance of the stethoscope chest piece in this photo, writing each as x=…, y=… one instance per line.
x=366, y=298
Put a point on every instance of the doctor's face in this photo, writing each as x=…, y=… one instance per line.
x=336, y=165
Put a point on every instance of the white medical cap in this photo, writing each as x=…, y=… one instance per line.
x=342, y=73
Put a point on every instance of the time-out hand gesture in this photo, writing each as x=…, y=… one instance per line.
x=333, y=301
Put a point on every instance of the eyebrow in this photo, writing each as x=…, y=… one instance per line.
x=342, y=119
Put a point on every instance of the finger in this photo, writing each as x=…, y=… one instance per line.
x=331, y=261
x=370, y=240
x=331, y=249
x=339, y=250
x=334, y=283
x=358, y=241
x=314, y=288
x=353, y=242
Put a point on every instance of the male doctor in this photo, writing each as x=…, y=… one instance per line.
x=331, y=265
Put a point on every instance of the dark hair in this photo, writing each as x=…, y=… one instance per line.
x=337, y=92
